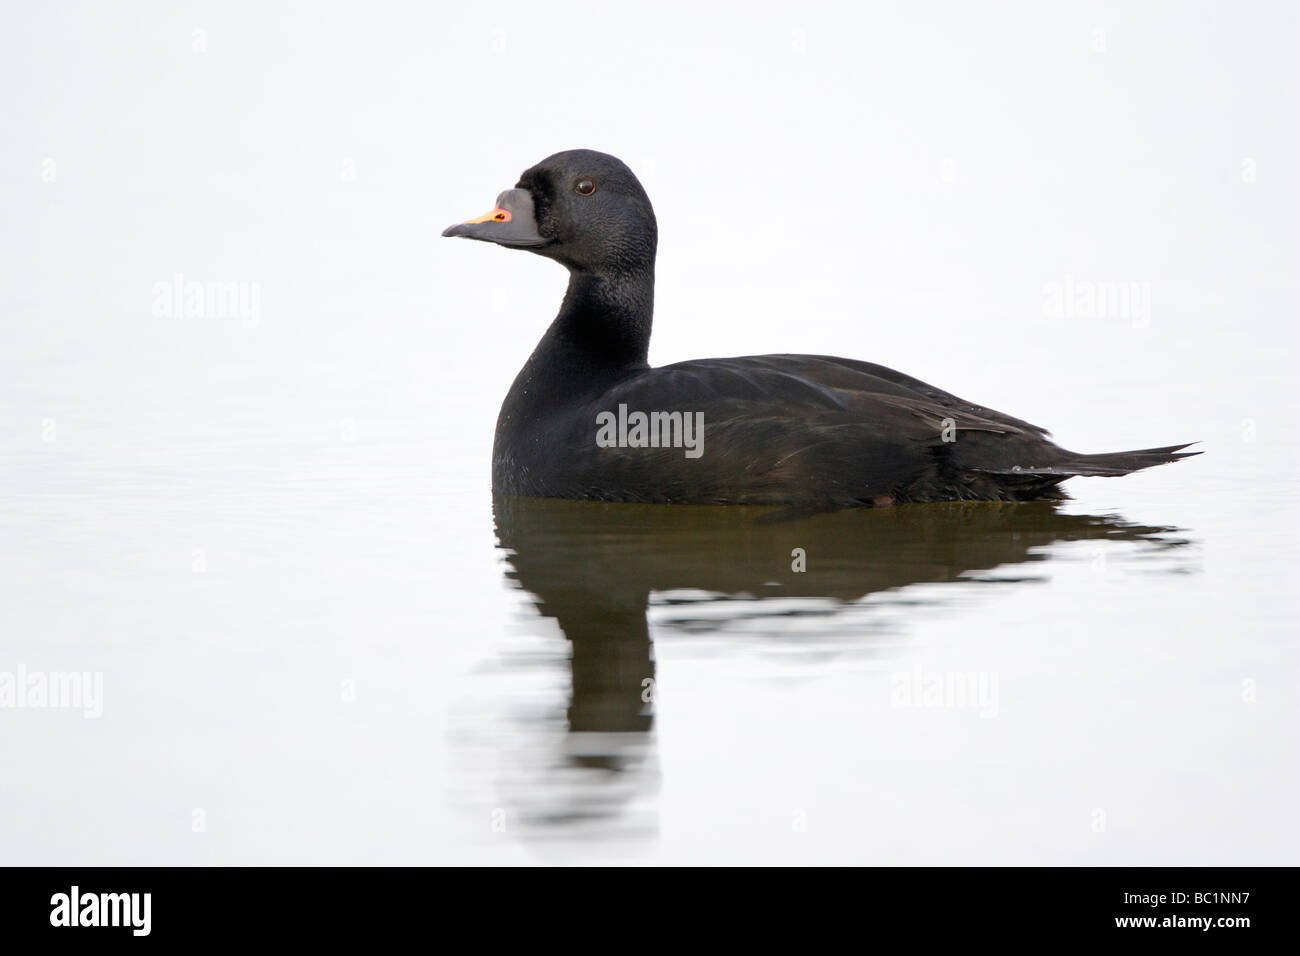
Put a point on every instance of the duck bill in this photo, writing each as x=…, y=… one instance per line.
x=511, y=222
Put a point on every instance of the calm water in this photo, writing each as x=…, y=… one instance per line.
x=320, y=641
x=266, y=535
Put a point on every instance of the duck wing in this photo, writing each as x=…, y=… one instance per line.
x=809, y=428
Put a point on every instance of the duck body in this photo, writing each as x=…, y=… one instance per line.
x=587, y=417
x=784, y=430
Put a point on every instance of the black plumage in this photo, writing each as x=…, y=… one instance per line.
x=804, y=430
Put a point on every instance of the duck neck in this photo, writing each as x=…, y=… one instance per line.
x=601, y=335
x=604, y=323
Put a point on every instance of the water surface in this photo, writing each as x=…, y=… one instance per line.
x=268, y=527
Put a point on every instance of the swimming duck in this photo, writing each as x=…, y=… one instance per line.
x=587, y=417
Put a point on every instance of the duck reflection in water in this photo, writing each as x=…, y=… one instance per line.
x=594, y=566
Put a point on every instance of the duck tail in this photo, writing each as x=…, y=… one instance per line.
x=1111, y=463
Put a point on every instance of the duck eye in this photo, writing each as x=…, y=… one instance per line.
x=585, y=187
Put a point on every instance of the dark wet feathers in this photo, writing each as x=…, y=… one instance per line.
x=806, y=430
x=780, y=429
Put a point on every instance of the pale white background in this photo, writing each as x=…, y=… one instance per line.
x=230, y=518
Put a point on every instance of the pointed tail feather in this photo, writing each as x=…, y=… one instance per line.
x=1109, y=463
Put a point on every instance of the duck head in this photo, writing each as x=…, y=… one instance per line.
x=581, y=208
